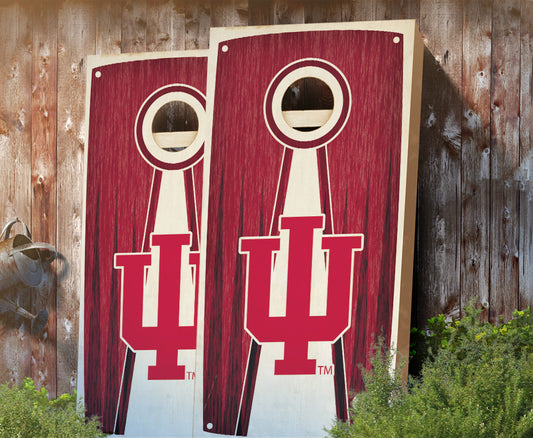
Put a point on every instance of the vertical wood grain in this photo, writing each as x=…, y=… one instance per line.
x=356, y=10
x=438, y=258
x=165, y=28
x=44, y=205
x=505, y=158
x=289, y=11
x=475, y=243
x=229, y=13
x=134, y=26
x=108, y=23
x=404, y=9
x=197, y=24
x=260, y=12
x=15, y=172
x=76, y=39
x=525, y=282
x=318, y=11
x=265, y=12
x=365, y=10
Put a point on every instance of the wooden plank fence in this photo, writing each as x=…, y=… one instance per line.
x=475, y=194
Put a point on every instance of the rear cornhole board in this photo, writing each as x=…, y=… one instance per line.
x=308, y=219
x=141, y=241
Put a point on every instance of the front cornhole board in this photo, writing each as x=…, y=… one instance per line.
x=288, y=213
x=138, y=192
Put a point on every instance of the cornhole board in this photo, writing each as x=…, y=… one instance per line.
x=141, y=241
x=308, y=219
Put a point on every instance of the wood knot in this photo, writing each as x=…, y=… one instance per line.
x=506, y=214
x=505, y=252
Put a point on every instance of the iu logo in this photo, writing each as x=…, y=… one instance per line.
x=168, y=337
x=298, y=327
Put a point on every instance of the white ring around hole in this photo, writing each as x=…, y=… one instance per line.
x=147, y=134
x=299, y=73
x=98, y=74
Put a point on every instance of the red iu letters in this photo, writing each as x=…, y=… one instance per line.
x=297, y=328
x=168, y=336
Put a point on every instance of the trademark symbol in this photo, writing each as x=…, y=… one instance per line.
x=298, y=327
x=325, y=370
x=134, y=267
x=191, y=375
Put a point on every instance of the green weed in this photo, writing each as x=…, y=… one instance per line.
x=476, y=380
x=26, y=412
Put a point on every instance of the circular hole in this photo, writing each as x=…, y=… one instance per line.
x=396, y=40
x=307, y=104
x=225, y=48
x=170, y=127
x=98, y=74
x=175, y=126
x=209, y=426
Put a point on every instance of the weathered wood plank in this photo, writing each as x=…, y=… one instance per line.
x=44, y=205
x=265, y=12
x=108, y=22
x=134, y=26
x=525, y=281
x=260, y=12
x=365, y=10
x=165, y=26
x=289, y=11
x=404, y=9
x=505, y=158
x=475, y=243
x=438, y=255
x=318, y=11
x=15, y=172
x=197, y=24
x=76, y=39
x=356, y=10
x=229, y=13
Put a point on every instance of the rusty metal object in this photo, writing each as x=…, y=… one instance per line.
x=21, y=264
x=38, y=322
x=20, y=260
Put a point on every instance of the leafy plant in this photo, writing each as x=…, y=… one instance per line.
x=476, y=380
x=27, y=412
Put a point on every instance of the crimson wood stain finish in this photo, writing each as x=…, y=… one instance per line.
x=359, y=180
x=121, y=201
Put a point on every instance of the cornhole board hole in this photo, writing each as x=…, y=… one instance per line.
x=308, y=218
x=146, y=131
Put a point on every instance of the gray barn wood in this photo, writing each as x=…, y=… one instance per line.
x=475, y=199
